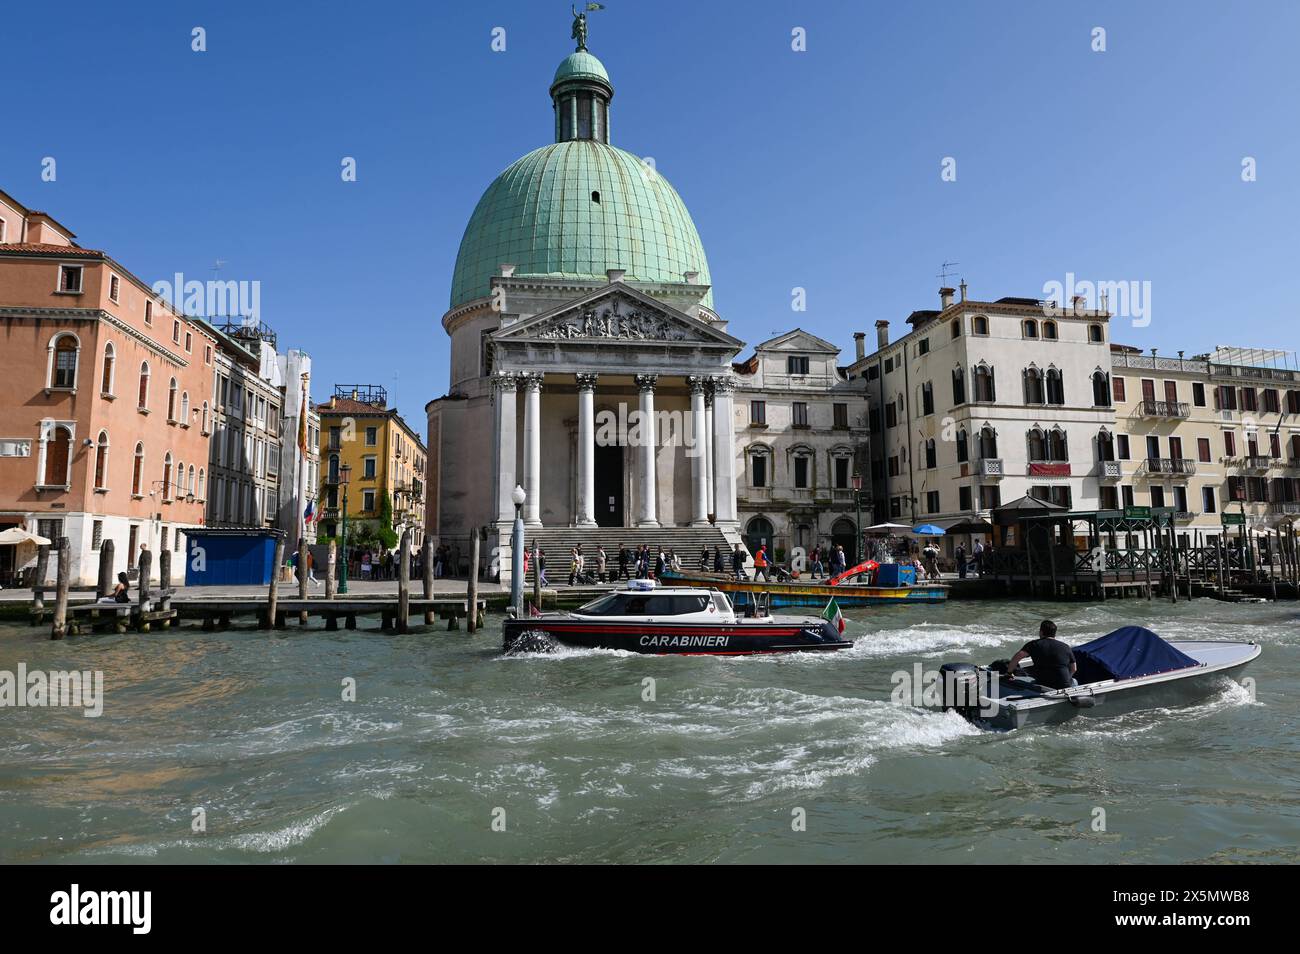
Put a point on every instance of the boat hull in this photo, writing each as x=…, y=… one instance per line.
x=686, y=639
x=796, y=593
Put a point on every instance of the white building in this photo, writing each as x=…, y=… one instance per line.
x=983, y=402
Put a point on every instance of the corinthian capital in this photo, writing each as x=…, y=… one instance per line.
x=586, y=380
x=505, y=380
x=531, y=380
x=697, y=383
x=722, y=385
x=647, y=382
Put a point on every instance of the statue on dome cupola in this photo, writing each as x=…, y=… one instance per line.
x=579, y=31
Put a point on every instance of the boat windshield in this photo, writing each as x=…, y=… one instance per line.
x=645, y=604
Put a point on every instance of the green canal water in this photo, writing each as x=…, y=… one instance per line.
x=446, y=736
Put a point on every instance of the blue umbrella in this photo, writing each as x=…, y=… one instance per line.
x=928, y=530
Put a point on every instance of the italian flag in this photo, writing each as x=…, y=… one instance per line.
x=832, y=614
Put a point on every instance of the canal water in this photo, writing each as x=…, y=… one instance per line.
x=452, y=753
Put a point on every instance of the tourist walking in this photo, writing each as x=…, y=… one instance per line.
x=738, y=563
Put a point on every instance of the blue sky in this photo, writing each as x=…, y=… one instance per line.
x=818, y=169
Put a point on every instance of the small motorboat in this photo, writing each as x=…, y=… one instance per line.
x=644, y=618
x=1131, y=668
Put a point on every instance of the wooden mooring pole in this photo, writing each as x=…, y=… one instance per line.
x=303, y=555
x=142, y=587
x=64, y=569
x=38, y=584
x=426, y=576
x=331, y=579
x=471, y=589
x=105, y=585
x=537, y=578
x=165, y=583
x=403, y=621
x=273, y=593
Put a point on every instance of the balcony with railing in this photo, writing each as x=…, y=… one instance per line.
x=991, y=467
x=1284, y=507
x=1256, y=462
x=1169, y=466
x=1110, y=469
x=1165, y=409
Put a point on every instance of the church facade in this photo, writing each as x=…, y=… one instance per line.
x=590, y=368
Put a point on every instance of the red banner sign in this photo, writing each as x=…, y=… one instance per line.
x=1049, y=470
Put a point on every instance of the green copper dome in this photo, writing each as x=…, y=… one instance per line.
x=581, y=65
x=572, y=210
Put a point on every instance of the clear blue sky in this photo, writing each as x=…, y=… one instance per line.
x=818, y=169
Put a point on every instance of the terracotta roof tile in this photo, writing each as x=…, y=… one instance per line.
x=42, y=248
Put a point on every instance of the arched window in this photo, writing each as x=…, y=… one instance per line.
x=171, y=400
x=759, y=467
x=1037, y=446
x=1100, y=389
x=1049, y=330
x=185, y=407
x=979, y=325
x=984, y=385
x=58, y=457
x=167, y=477
x=1029, y=328
x=1058, y=448
x=205, y=417
x=958, y=386
x=333, y=469
x=1105, y=445
x=101, y=461
x=963, y=446
x=109, y=378
x=1095, y=334
x=931, y=458
x=64, y=350
x=203, y=485
x=137, y=470
x=1055, y=386
x=144, y=385
x=190, y=486
x=1033, y=386
x=988, y=443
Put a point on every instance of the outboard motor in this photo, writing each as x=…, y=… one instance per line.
x=960, y=684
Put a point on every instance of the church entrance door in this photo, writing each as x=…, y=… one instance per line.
x=609, y=485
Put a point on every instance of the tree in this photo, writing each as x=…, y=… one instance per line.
x=385, y=532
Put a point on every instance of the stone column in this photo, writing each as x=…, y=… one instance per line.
x=532, y=383
x=698, y=450
x=506, y=384
x=586, y=450
x=710, y=449
x=724, y=464
x=648, y=440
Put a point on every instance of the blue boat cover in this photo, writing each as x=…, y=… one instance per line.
x=1126, y=654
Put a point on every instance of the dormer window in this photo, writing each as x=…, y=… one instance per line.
x=595, y=197
x=796, y=364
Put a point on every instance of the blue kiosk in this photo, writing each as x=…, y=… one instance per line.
x=233, y=556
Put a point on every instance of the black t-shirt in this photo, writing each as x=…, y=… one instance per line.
x=1052, y=659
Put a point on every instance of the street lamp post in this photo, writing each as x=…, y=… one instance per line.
x=345, y=475
x=857, y=503
x=517, y=553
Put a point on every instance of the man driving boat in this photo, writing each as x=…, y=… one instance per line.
x=1054, y=664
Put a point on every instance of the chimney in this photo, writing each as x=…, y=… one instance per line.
x=963, y=289
x=1077, y=302
x=882, y=334
x=615, y=274
x=945, y=297
x=860, y=344
x=507, y=270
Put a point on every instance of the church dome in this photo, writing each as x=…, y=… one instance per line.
x=578, y=207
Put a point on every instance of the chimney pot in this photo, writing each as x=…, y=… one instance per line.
x=882, y=334
x=860, y=344
x=962, y=286
x=945, y=296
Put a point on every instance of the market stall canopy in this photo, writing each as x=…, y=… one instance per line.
x=888, y=528
x=970, y=526
x=1010, y=513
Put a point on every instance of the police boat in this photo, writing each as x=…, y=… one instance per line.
x=1131, y=668
x=644, y=618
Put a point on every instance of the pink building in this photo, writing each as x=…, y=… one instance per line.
x=105, y=399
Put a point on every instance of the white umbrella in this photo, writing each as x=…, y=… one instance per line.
x=16, y=535
x=887, y=527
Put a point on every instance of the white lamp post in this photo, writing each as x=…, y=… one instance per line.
x=518, y=495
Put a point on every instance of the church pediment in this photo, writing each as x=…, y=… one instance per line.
x=617, y=314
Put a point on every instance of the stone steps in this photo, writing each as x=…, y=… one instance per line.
x=685, y=541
